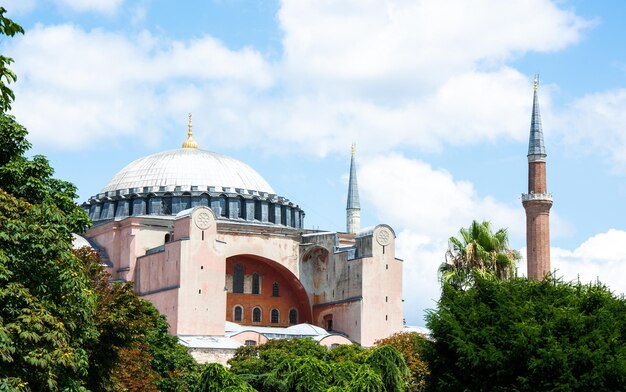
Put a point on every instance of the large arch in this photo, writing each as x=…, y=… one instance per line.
x=291, y=293
x=313, y=273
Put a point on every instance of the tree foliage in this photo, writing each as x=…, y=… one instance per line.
x=412, y=346
x=216, y=378
x=62, y=325
x=478, y=252
x=303, y=365
x=134, y=352
x=526, y=335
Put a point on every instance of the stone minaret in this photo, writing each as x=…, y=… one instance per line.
x=353, y=207
x=537, y=201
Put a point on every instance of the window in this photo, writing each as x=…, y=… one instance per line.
x=272, y=213
x=238, y=278
x=256, y=315
x=275, y=290
x=250, y=343
x=257, y=210
x=185, y=201
x=242, y=208
x=275, y=316
x=166, y=204
x=238, y=313
x=223, y=205
x=293, y=317
x=255, y=283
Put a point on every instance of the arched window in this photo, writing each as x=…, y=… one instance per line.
x=257, y=210
x=275, y=317
x=242, y=208
x=293, y=316
x=166, y=204
x=238, y=316
x=255, y=283
x=223, y=205
x=185, y=201
x=275, y=290
x=256, y=315
x=238, y=279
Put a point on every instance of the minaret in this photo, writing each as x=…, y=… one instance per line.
x=353, y=207
x=537, y=202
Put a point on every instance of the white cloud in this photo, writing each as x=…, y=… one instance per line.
x=381, y=74
x=426, y=206
x=76, y=87
x=595, y=123
x=601, y=257
x=108, y=7
x=19, y=6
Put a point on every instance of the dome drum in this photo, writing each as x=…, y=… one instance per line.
x=250, y=206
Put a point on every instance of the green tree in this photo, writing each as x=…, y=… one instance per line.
x=390, y=365
x=412, y=346
x=526, y=335
x=216, y=378
x=366, y=380
x=134, y=352
x=478, y=251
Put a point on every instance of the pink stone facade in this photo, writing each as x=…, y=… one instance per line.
x=184, y=264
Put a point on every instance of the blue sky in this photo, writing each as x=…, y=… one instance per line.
x=436, y=95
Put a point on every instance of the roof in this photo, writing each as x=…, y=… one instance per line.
x=353, y=187
x=222, y=342
x=299, y=330
x=536, y=146
x=187, y=167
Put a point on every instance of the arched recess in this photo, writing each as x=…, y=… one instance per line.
x=314, y=270
x=292, y=294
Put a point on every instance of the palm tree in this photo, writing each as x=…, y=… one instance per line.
x=478, y=251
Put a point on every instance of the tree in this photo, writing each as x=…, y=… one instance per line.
x=412, y=346
x=133, y=352
x=478, y=251
x=526, y=335
x=389, y=364
x=216, y=378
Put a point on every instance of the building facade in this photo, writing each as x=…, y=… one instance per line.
x=207, y=240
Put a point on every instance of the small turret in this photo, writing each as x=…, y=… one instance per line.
x=353, y=206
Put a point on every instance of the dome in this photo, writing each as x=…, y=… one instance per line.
x=186, y=167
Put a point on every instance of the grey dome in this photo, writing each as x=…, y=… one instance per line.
x=187, y=167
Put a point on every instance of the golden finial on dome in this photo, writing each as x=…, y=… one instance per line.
x=536, y=82
x=190, y=143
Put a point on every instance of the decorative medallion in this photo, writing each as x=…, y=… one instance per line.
x=203, y=220
x=383, y=237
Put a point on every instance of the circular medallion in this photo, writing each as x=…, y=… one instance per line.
x=383, y=237
x=203, y=220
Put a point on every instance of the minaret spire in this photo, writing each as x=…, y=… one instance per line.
x=190, y=143
x=353, y=206
x=537, y=202
x=536, y=147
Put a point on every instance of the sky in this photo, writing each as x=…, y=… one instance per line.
x=436, y=95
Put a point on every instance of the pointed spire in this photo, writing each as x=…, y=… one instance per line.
x=536, y=147
x=190, y=143
x=353, y=207
x=353, y=188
